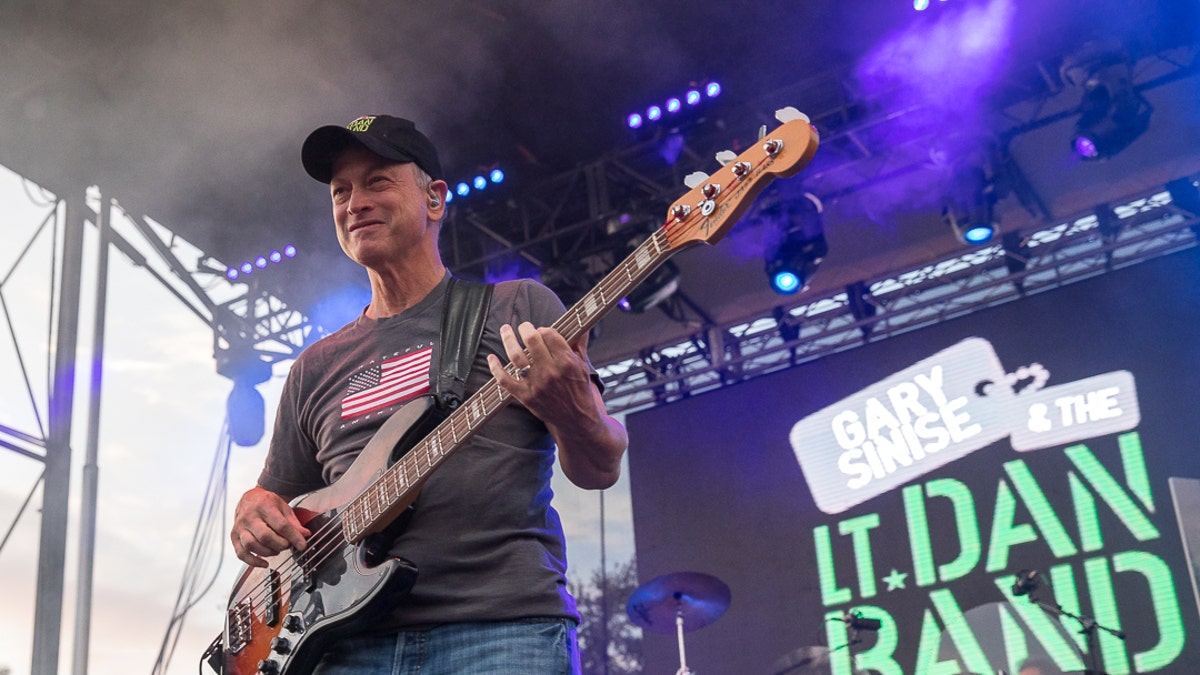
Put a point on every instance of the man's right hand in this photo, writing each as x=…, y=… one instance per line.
x=264, y=525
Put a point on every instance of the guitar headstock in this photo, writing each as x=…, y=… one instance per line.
x=712, y=207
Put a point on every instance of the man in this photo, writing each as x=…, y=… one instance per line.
x=491, y=595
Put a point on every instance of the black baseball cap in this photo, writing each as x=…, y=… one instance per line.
x=390, y=137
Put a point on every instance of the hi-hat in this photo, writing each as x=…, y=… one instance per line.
x=699, y=599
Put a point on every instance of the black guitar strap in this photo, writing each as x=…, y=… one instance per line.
x=464, y=313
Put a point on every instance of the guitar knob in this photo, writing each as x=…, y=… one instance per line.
x=726, y=156
x=268, y=667
x=293, y=622
x=695, y=178
x=711, y=190
x=741, y=169
x=281, y=645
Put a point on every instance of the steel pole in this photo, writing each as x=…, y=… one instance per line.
x=91, y=468
x=52, y=549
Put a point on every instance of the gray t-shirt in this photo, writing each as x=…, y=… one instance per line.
x=486, y=541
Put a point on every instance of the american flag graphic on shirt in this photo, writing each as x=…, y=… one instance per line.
x=393, y=380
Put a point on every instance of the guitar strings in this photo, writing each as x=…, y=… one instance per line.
x=327, y=540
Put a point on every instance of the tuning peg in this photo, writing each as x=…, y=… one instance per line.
x=695, y=178
x=726, y=156
x=785, y=115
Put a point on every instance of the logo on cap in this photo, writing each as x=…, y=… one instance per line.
x=361, y=124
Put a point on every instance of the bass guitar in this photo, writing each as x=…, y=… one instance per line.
x=280, y=618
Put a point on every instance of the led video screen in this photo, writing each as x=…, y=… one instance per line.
x=1020, y=484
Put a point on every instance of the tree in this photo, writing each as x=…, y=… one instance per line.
x=598, y=608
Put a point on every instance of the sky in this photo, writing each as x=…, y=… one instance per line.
x=161, y=421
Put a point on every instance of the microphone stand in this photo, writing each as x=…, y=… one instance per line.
x=1088, y=627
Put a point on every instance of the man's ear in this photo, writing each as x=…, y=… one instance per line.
x=436, y=198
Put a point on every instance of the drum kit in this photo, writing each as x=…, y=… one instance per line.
x=682, y=602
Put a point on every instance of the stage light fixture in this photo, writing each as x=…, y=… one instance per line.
x=260, y=262
x=791, y=265
x=1112, y=114
x=1185, y=195
x=479, y=182
x=969, y=208
x=672, y=106
x=660, y=285
x=862, y=306
x=245, y=407
x=1107, y=222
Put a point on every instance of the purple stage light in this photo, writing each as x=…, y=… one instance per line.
x=673, y=105
x=1085, y=147
x=634, y=121
x=231, y=273
x=289, y=251
x=693, y=97
x=653, y=113
x=712, y=89
x=462, y=189
x=479, y=182
x=920, y=5
x=496, y=176
x=276, y=257
x=247, y=268
x=260, y=262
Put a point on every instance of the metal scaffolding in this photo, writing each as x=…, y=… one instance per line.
x=1139, y=229
x=246, y=324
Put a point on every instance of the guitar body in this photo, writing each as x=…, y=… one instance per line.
x=280, y=619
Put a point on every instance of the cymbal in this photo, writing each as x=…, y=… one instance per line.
x=699, y=598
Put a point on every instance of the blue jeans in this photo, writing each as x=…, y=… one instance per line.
x=527, y=647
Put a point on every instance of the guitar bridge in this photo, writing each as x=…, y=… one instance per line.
x=237, y=626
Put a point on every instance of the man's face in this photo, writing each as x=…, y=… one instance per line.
x=378, y=208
